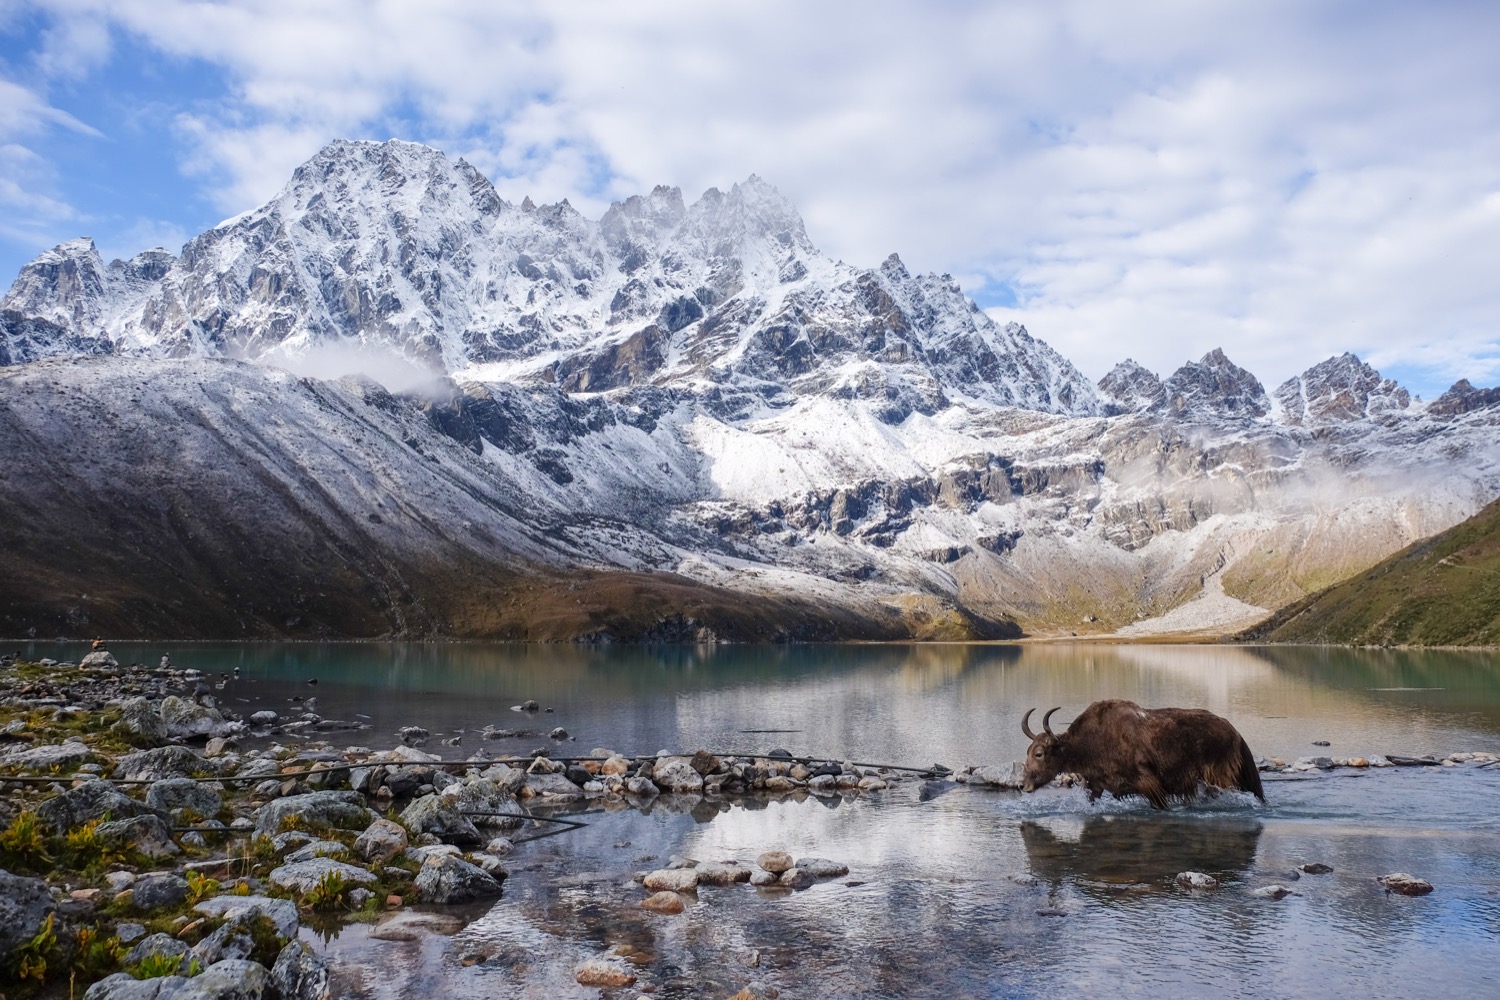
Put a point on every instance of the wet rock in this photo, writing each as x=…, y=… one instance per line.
x=234, y=979
x=446, y=879
x=1406, y=884
x=435, y=815
x=500, y=846
x=663, y=902
x=774, y=862
x=485, y=803
x=555, y=786
x=282, y=913
x=756, y=990
x=1401, y=760
x=1272, y=892
x=122, y=986
x=1315, y=868
x=92, y=800
x=764, y=878
x=302, y=876
x=140, y=725
x=603, y=972
x=381, y=841
x=642, y=787
x=326, y=810
x=795, y=878
x=413, y=735
x=1312, y=763
x=677, y=774
x=146, y=834
x=1009, y=776
x=170, y=794
x=722, y=873
x=299, y=974
x=265, y=717
x=1376, y=760
x=410, y=925
x=872, y=783
x=672, y=880
x=24, y=906
x=1321, y=743
x=1197, y=880
x=159, y=763
x=822, y=867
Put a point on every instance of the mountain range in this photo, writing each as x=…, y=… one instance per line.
x=389, y=402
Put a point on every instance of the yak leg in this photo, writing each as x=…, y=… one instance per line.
x=1150, y=787
x=1095, y=790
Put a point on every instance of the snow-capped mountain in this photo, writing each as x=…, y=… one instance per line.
x=675, y=418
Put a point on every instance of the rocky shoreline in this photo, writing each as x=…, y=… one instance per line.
x=156, y=845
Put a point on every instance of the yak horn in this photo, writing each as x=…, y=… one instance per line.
x=1047, y=718
x=1025, y=728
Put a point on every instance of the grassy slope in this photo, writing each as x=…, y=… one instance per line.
x=1443, y=590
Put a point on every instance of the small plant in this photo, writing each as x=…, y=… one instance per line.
x=93, y=955
x=24, y=842
x=201, y=887
x=157, y=964
x=241, y=888
x=85, y=850
x=30, y=960
x=328, y=894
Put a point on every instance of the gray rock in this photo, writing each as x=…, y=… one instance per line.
x=201, y=797
x=147, y=834
x=234, y=979
x=677, y=774
x=157, y=944
x=317, y=849
x=722, y=873
x=314, y=810
x=554, y=786
x=161, y=762
x=774, y=862
x=301, y=876
x=42, y=758
x=99, y=659
x=89, y=801
x=282, y=913
x=1272, y=892
x=482, y=796
x=822, y=867
x=153, y=892
x=188, y=720
x=260, y=767
x=436, y=815
x=381, y=841
x=1315, y=868
x=795, y=878
x=1011, y=776
x=1197, y=880
x=764, y=877
x=140, y=724
x=671, y=880
x=446, y=879
x=129, y=932
x=265, y=717
x=233, y=939
x=122, y=986
x=642, y=787
x=24, y=905
x=299, y=974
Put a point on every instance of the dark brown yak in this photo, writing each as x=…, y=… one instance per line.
x=1121, y=748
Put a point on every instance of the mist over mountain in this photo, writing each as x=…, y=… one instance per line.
x=390, y=402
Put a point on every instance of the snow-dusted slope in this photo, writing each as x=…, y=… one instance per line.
x=680, y=393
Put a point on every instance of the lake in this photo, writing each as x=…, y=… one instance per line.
x=953, y=891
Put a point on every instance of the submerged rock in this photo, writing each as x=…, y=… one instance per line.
x=1197, y=880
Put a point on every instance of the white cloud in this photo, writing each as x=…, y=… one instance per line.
x=1285, y=179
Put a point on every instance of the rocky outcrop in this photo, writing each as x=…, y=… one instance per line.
x=1464, y=398
x=1339, y=389
x=1215, y=387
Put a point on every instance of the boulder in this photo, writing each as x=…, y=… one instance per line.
x=1010, y=776
x=122, y=986
x=153, y=892
x=603, y=972
x=774, y=862
x=672, y=880
x=235, y=979
x=302, y=876
x=314, y=810
x=282, y=913
x=159, y=763
x=381, y=841
x=677, y=774
x=299, y=974
x=99, y=659
x=43, y=758
x=187, y=720
x=438, y=816
x=480, y=796
x=265, y=717
x=157, y=944
x=822, y=867
x=89, y=801
x=147, y=834
x=663, y=902
x=795, y=878
x=1405, y=884
x=555, y=786
x=722, y=873
x=170, y=794
x=317, y=849
x=1197, y=880
x=140, y=725
x=447, y=879
x=24, y=906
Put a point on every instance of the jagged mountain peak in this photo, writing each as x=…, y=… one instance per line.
x=1341, y=388
x=1215, y=387
x=1463, y=397
x=1130, y=387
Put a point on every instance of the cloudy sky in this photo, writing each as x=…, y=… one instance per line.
x=1287, y=180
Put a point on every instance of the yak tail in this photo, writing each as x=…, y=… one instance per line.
x=1248, y=778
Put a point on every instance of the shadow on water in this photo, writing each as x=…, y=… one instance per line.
x=1135, y=850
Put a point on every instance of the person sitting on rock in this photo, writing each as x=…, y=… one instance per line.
x=97, y=645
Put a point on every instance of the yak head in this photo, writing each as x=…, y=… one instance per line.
x=1044, y=756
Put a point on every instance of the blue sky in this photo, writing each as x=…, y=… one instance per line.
x=1287, y=180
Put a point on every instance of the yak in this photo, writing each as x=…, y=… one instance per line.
x=1117, y=746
